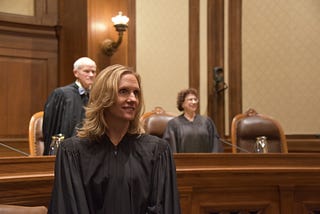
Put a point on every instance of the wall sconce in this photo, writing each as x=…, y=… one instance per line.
x=120, y=22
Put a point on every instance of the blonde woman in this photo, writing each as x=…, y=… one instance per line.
x=110, y=166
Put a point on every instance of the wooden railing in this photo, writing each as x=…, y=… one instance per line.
x=296, y=144
x=208, y=183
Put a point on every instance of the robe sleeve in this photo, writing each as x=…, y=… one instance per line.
x=53, y=114
x=164, y=195
x=214, y=136
x=170, y=137
x=68, y=194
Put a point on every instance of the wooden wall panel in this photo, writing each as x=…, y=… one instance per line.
x=207, y=183
x=28, y=70
x=28, y=179
x=73, y=36
x=215, y=59
x=84, y=25
x=194, y=44
x=235, y=58
x=26, y=78
x=28, y=62
x=45, y=13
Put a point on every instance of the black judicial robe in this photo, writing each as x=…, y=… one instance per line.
x=136, y=177
x=199, y=135
x=63, y=112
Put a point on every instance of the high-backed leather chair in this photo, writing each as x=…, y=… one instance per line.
x=246, y=127
x=155, y=121
x=36, y=144
x=16, y=209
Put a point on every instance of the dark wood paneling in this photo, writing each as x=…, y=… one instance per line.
x=225, y=183
x=132, y=46
x=45, y=13
x=207, y=183
x=14, y=147
x=28, y=58
x=194, y=44
x=29, y=180
x=84, y=26
x=235, y=59
x=100, y=13
x=215, y=59
x=26, y=77
x=303, y=143
x=216, y=38
x=73, y=37
x=33, y=66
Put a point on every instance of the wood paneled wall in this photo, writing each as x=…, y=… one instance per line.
x=28, y=69
x=84, y=25
x=37, y=55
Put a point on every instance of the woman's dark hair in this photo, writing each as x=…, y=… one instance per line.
x=182, y=96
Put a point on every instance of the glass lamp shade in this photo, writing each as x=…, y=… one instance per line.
x=120, y=19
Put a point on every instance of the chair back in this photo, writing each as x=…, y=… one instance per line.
x=247, y=127
x=155, y=121
x=36, y=144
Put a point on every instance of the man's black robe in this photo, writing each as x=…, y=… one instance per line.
x=136, y=177
x=63, y=112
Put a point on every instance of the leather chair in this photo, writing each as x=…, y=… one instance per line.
x=16, y=209
x=246, y=127
x=155, y=121
x=36, y=144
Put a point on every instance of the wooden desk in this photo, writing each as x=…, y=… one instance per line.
x=266, y=183
x=26, y=180
x=208, y=183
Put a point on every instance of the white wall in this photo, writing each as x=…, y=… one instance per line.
x=162, y=51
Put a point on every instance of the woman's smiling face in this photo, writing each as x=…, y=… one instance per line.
x=127, y=101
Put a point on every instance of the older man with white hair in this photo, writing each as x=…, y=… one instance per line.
x=64, y=109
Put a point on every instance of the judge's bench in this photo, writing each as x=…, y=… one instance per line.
x=208, y=183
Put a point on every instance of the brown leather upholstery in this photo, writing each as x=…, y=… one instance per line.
x=155, y=122
x=245, y=129
x=36, y=144
x=15, y=209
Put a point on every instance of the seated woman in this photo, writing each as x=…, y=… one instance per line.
x=190, y=131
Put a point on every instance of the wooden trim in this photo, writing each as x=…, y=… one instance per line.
x=215, y=59
x=45, y=13
x=73, y=37
x=34, y=135
x=27, y=30
x=303, y=143
x=264, y=182
x=194, y=44
x=235, y=58
x=132, y=44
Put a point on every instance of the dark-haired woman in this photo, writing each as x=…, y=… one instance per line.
x=191, y=132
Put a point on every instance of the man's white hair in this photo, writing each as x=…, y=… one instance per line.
x=83, y=61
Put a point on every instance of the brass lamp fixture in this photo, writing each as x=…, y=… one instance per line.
x=120, y=22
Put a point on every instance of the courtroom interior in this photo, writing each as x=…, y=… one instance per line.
x=254, y=63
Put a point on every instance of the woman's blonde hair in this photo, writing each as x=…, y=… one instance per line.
x=103, y=95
